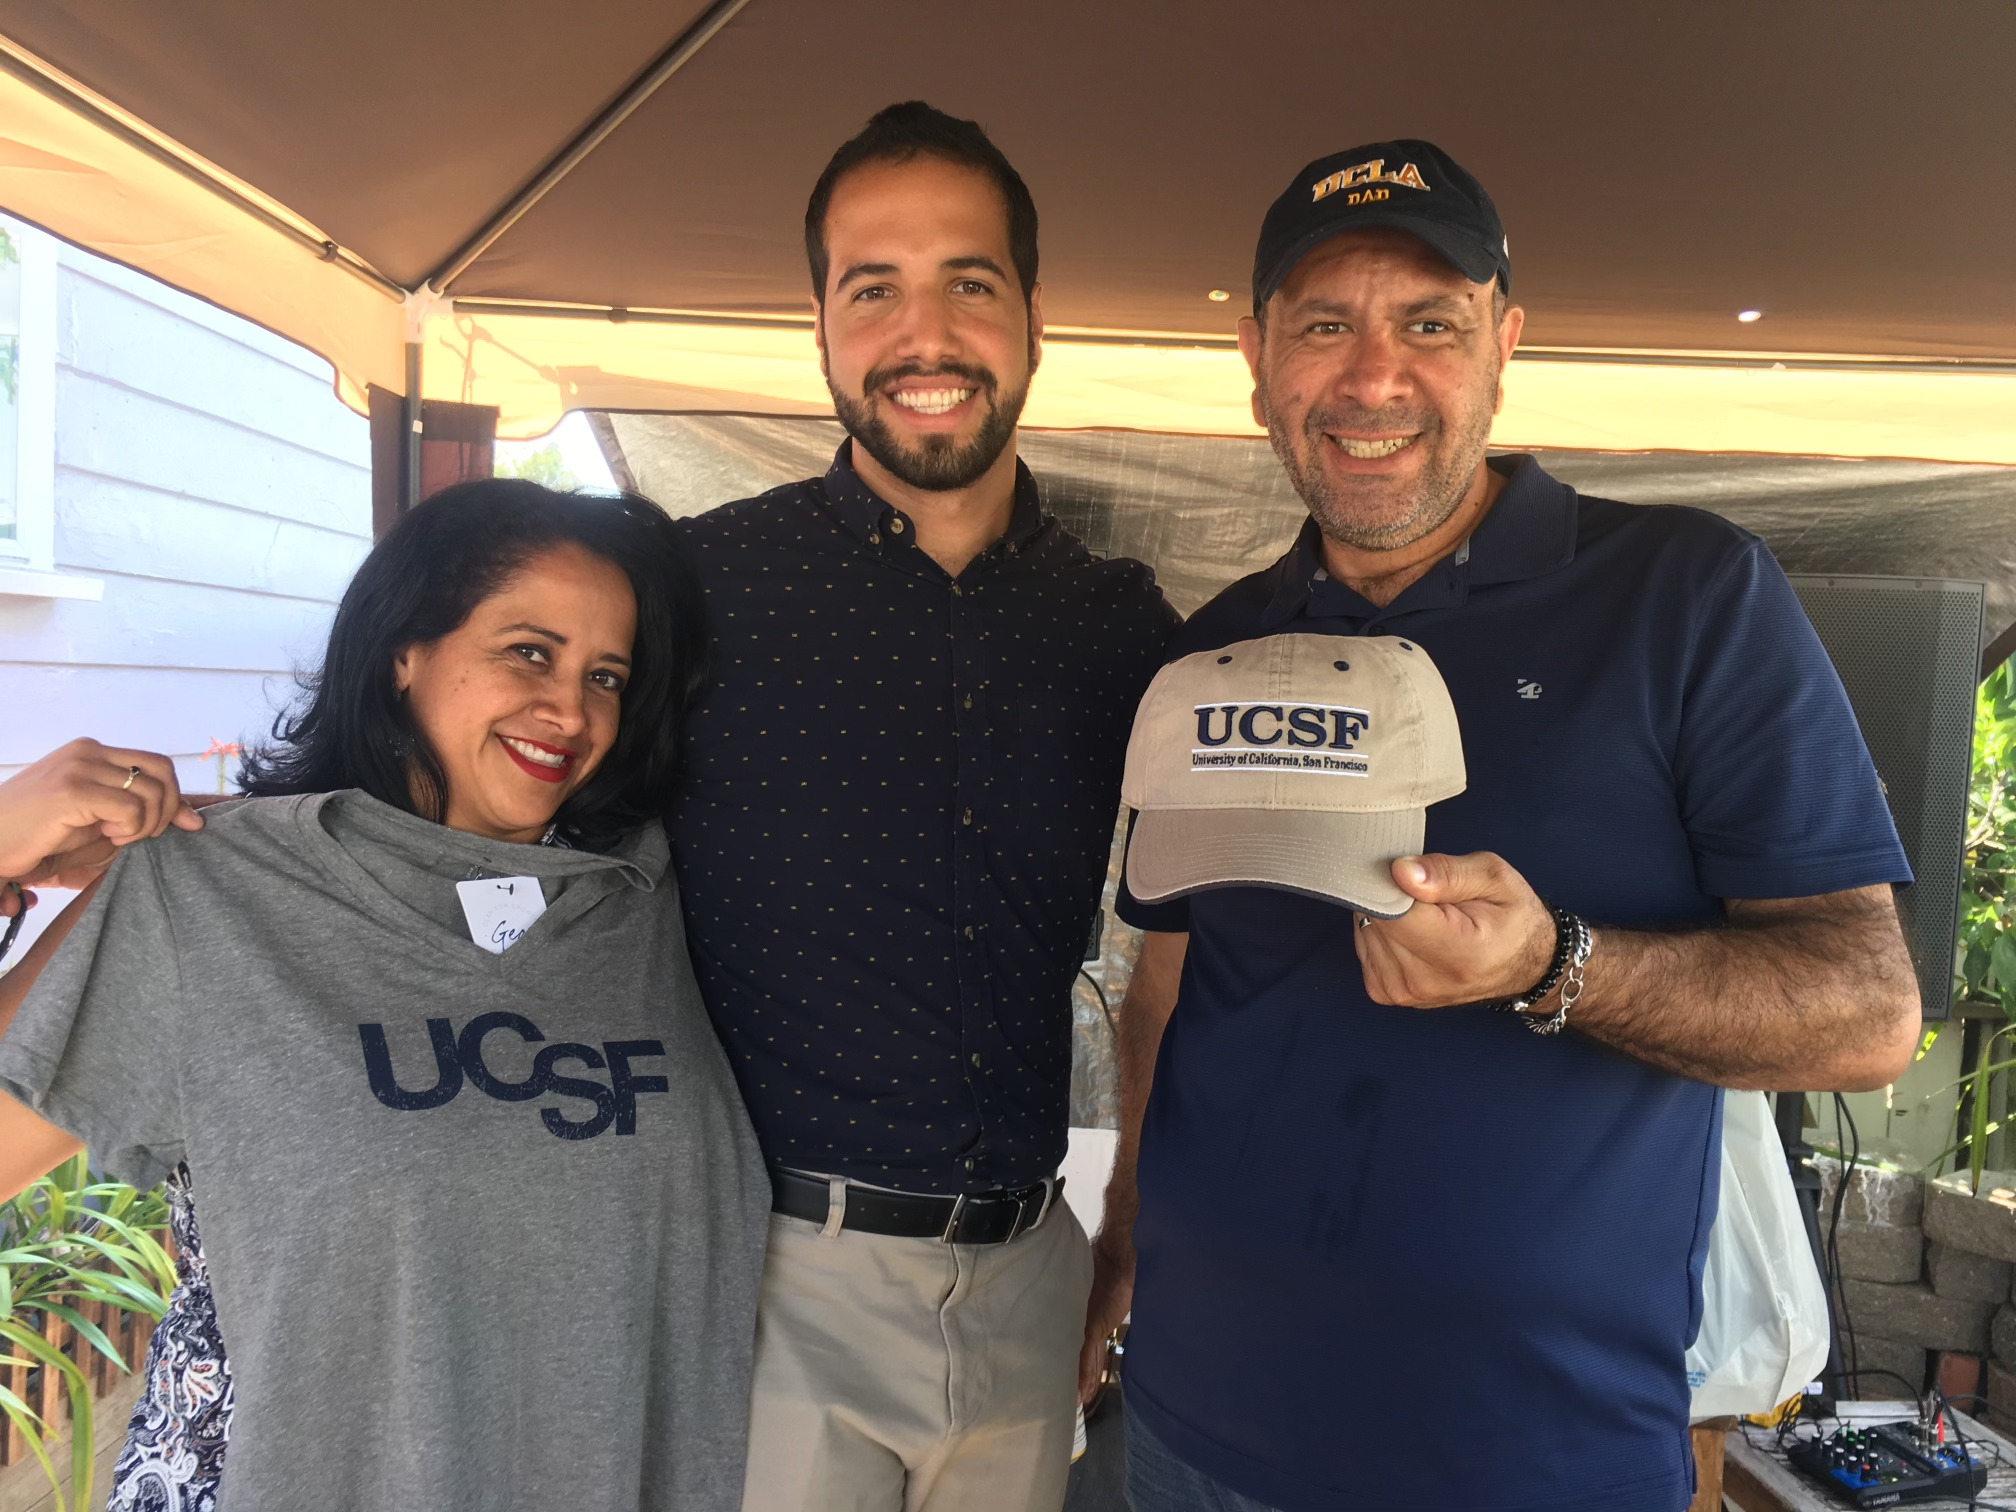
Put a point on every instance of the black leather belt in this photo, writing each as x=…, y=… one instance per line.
x=975, y=1218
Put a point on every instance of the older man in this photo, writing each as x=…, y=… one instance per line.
x=1395, y=1251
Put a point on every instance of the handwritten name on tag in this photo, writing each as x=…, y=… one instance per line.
x=500, y=909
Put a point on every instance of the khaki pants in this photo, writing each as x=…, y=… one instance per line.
x=904, y=1375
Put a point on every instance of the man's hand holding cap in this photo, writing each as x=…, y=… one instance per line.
x=1477, y=933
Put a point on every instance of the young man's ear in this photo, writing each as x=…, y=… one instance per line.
x=819, y=334
x=1035, y=327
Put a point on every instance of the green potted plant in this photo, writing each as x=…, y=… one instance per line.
x=67, y=1242
x=1984, y=969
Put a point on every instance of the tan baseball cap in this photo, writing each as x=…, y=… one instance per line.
x=1304, y=762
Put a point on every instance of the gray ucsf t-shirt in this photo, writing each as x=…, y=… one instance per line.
x=485, y=1230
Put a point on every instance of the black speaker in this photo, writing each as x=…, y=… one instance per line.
x=1909, y=653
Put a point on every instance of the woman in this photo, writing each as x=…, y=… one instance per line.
x=484, y=1217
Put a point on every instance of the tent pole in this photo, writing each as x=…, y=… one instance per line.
x=409, y=454
x=588, y=138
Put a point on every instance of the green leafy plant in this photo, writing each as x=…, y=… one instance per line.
x=1987, y=954
x=1984, y=973
x=542, y=466
x=66, y=1242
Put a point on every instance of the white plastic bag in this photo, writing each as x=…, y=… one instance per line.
x=1763, y=1309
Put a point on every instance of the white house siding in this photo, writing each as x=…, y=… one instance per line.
x=207, y=475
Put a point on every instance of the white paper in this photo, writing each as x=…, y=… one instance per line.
x=500, y=909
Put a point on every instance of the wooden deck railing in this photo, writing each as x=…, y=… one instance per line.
x=43, y=1390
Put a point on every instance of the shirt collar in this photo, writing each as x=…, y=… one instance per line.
x=1529, y=531
x=866, y=514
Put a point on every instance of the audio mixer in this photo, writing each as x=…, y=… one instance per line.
x=1888, y=1464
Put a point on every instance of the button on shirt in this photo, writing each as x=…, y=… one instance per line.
x=896, y=819
x=1346, y=1206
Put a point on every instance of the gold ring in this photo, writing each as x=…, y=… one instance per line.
x=131, y=773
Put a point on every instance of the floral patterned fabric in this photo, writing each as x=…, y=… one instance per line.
x=174, y=1454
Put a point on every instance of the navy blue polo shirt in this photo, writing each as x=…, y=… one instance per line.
x=895, y=822
x=1394, y=1259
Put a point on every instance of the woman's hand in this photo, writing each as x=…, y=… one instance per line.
x=63, y=818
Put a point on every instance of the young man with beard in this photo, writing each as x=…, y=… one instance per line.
x=897, y=814
x=1361, y=1190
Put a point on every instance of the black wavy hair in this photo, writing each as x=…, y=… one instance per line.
x=352, y=727
x=900, y=133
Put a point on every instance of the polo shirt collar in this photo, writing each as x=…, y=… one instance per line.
x=865, y=513
x=1529, y=531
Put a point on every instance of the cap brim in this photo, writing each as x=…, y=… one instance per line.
x=1470, y=257
x=1341, y=858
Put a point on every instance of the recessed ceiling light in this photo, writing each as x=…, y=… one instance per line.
x=1746, y=316
x=1218, y=296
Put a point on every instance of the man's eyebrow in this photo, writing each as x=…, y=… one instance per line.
x=986, y=264
x=1325, y=309
x=1436, y=302
x=864, y=270
x=974, y=261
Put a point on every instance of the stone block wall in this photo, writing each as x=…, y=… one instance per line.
x=1928, y=1280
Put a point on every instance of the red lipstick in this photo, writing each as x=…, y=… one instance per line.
x=532, y=768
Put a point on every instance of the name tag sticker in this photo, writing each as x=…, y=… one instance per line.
x=500, y=909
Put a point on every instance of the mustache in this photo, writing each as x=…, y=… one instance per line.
x=1354, y=417
x=880, y=378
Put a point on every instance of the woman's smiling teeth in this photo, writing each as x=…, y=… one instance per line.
x=1368, y=451
x=537, y=755
x=932, y=401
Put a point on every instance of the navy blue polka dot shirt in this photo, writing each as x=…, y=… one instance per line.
x=899, y=799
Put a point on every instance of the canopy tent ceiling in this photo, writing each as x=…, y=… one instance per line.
x=1831, y=163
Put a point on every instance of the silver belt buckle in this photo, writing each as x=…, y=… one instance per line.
x=1018, y=1228
x=952, y=1223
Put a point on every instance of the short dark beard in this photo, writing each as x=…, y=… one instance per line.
x=941, y=464
x=1443, y=485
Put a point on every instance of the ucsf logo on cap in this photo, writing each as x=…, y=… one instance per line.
x=1301, y=762
x=1297, y=738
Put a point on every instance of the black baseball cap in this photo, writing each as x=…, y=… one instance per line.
x=1411, y=185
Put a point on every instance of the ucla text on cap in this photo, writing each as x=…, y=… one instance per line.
x=1359, y=175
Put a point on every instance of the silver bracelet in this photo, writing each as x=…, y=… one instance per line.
x=1571, y=979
